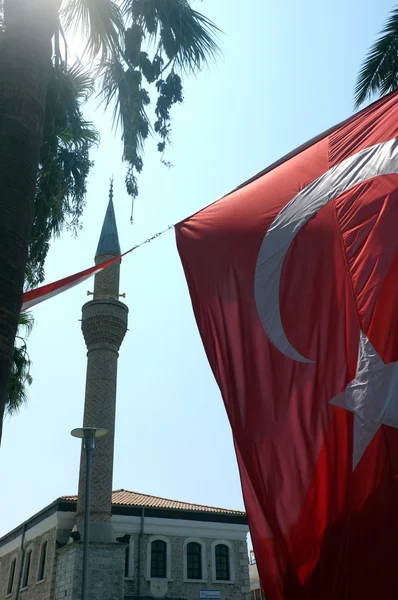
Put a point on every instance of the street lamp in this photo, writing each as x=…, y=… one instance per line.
x=88, y=435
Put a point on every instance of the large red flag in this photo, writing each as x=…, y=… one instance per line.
x=294, y=283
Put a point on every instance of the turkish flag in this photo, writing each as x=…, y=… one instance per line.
x=294, y=284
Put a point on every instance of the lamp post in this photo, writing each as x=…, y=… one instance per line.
x=88, y=435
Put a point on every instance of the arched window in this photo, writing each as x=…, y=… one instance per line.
x=42, y=562
x=11, y=576
x=26, y=570
x=159, y=559
x=223, y=572
x=194, y=560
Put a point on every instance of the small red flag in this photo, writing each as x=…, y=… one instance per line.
x=294, y=283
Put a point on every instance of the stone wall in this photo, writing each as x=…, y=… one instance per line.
x=105, y=572
x=179, y=588
x=35, y=590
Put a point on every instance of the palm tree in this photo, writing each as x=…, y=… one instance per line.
x=379, y=72
x=128, y=43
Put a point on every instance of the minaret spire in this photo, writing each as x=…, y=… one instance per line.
x=104, y=324
x=109, y=238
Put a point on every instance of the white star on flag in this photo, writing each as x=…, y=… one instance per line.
x=372, y=396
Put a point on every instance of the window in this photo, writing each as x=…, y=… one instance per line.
x=11, y=576
x=27, y=561
x=159, y=559
x=194, y=561
x=222, y=562
x=194, y=556
x=158, y=562
x=42, y=562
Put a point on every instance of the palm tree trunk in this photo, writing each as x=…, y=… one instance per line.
x=25, y=63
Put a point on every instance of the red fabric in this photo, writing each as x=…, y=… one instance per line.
x=44, y=292
x=320, y=530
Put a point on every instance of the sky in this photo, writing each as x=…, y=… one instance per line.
x=287, y=73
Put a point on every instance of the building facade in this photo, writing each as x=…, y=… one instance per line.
x=160, y=549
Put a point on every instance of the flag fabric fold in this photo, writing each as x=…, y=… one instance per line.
x=44, y=292
x=33, y=297
x=294, y=284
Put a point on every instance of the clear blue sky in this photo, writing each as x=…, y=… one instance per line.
x=287, y=73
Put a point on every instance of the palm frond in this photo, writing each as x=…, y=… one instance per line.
x=64, y=165
x=100, y=22
x=379, y=72
x=20, y=377
x=112, y=77
x=80, y=81
x=26, y=321
x=185, y=36
x=19, y=380
x=59, y=203
x=122, y=87
x=67, y=90
x=188, y=35
x=82, y=133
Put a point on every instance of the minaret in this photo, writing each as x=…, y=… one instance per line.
x=104, y=324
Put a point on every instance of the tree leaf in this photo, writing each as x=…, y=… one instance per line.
x=100, y=22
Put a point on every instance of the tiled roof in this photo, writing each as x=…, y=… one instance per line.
x=127, y=498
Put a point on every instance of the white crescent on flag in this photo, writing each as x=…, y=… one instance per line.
x=381, y=159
